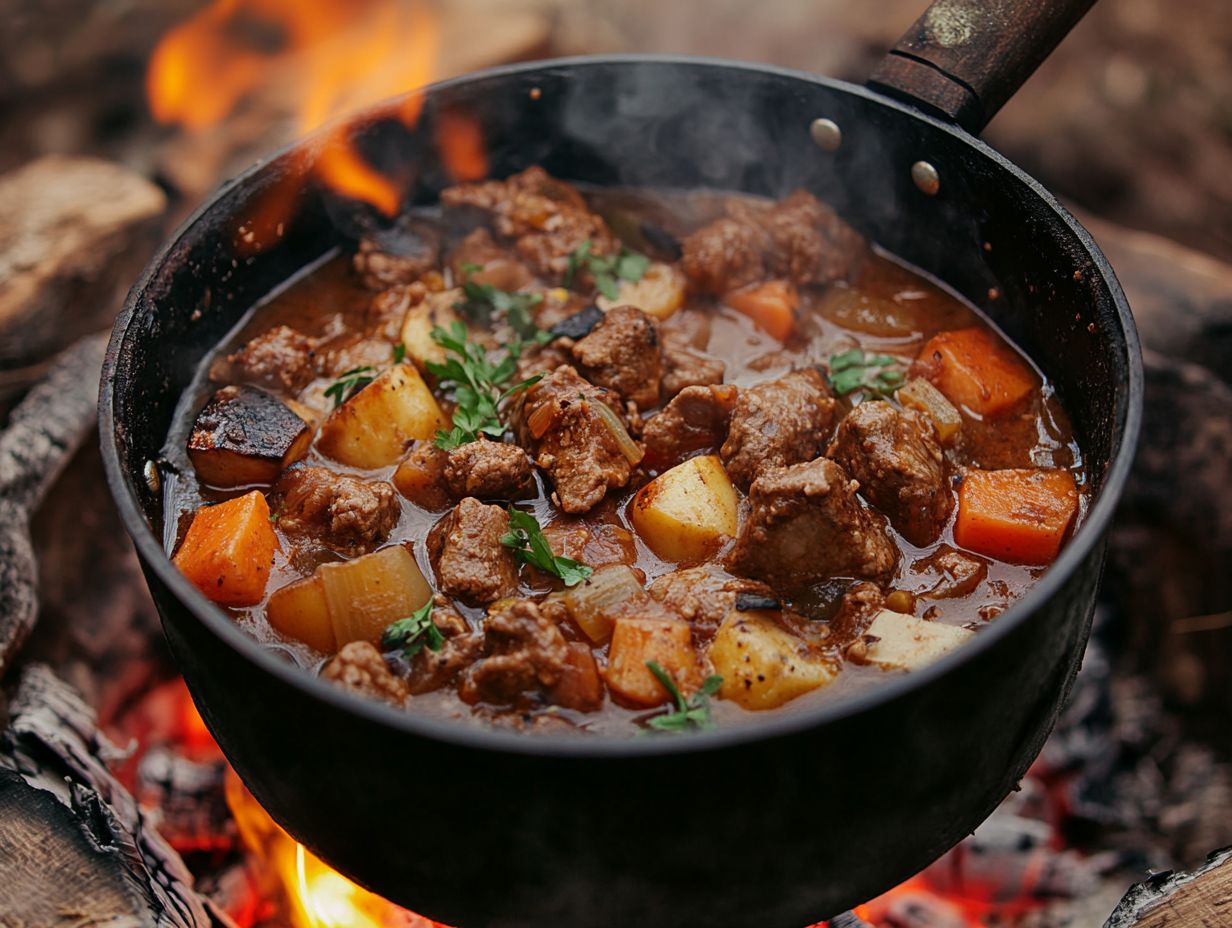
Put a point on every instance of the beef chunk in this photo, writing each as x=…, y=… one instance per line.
x=397, y=256
x=958, y=573
x=895, y=456
x=525, y=654
x=360, y=668
x=280, y=359
x=684, y=367
x=545, y=219
x=488, y=470
x=557, y=421
x=694, y=420
x=799, y=238
x=806, y=524
x=344, y=513
x=497, y=266
x=622, y=353
x=856, y=610
x=703, y=596
x=471, y=563
x=777, y=423
x=431, y=670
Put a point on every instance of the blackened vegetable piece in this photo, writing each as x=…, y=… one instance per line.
x=578, y=325
x=245, y=436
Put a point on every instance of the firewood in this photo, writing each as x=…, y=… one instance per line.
x=74, y=844
x=76, y=233
x=1198, y=898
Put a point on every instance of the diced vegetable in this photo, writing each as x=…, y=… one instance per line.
x=772, y=305
x=973, y=368
x=229, y=549
x=245, y=436
x=868, y=314
x=421, y=478
x=763, y=665
x=299, y=611
x=628, y=447
x=1017, y=515
x=591, y=604
x=921, y=395
x=435, y=310
x=366, y=594
x=372, y=428
x=659, y=292
x=685, y=513
x=580, y=687
x=635, y=641
x=903, y=642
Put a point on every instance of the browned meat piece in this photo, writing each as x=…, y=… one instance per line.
x=695, y=419
x=724, y=255
x=806, y=524
x=703, y=596
x=344, y=513
x=596, y=543
x=856, y=610
x=685, y=367
x=526, y=653
x=777, y=423
x=388, y=309
x=431, y=670
x=360, y=668
x=557, y=422
x=497, y=266
x=543, y=359
x=799, y=237
x=958, y=573
x=546, y=219
x=471, y=563
x=622, y=353
x=895, y=456
x=281, y=359
x=488, y=470
x=363, y=351
x=399, y=256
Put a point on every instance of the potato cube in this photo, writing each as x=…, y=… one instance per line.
x=373, y=427
x=685, y=513
x=659, y=292
x=244, y=436
x=904, y=642
x=435, y=310
x=638, y=640
x=299, y=611
x=764, y=665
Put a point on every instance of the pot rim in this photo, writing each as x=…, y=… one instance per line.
x=1085, y=539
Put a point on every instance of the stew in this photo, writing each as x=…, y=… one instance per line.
x=616, y=461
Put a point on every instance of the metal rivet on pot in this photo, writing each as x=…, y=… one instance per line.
x=926, y=177
x=152, y=479
x=826, y=134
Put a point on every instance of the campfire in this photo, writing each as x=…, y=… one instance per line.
x=98, y=720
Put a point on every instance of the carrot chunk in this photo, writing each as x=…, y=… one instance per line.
x=229, y=549
x=973, y=368
x=771, y=305
x=1017, y=515
x=636, y=641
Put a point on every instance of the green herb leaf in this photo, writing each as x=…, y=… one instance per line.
x=399, y=353
x=854, y=370
x=607, y=270
x=350, y=383
x=530, y=546
x=693, y=712
x=484, y=302
x=412, y=633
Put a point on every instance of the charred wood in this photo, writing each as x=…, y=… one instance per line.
x=1199, y=898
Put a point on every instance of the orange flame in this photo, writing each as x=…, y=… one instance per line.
x=316, y=896
x=323, y=58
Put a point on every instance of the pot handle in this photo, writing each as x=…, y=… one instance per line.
x=963, y=59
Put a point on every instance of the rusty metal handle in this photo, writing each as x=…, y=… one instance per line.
x=963, y=59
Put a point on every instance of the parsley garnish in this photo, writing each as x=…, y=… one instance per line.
x=479, y=386
x=530, y=546
x=875, y=373
x=350, y=383
x=695, y=711
x=412, y=633
x=606, y=269
x=483, y=301
x=399, y=353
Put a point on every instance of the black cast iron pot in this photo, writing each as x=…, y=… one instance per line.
x=778, y=824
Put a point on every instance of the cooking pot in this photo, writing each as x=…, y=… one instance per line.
x=778, y=823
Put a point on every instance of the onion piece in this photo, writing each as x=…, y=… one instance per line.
x=591, y=604
x=541, y=419
x=922, y=395
x=627, y=445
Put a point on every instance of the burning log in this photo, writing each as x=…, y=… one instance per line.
x=1201, y=897
x=75, y=845
x=77, y=231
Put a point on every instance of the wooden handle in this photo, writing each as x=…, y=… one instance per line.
x=964, y=58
